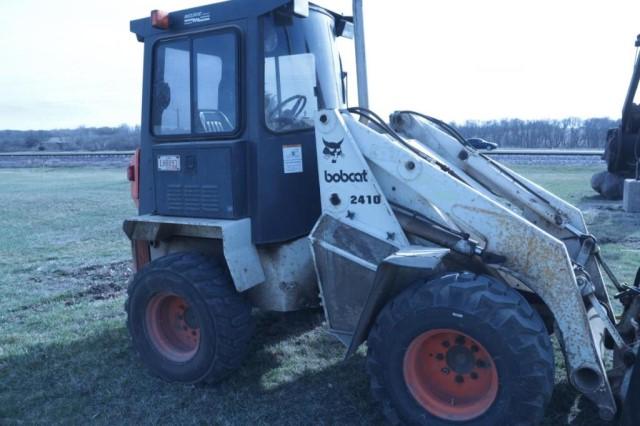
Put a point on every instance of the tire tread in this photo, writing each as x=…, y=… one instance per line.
x=231, y=312
x=501, y=305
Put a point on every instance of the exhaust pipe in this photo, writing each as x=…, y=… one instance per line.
x=361, y=55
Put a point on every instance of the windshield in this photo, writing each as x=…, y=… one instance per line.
x=301, y=70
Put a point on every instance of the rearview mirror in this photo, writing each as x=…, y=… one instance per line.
x=301, y=8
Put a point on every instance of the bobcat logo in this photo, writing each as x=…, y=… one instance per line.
x=333, y=150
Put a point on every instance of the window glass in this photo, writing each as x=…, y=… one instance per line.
x=217, y=83
x=204, y=67
x=290, y=91
x=171, y=107
x=301, y=69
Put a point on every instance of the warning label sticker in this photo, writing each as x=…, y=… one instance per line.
x=292, y=158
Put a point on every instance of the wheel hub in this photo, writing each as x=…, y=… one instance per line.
x=172, y=327
x=450, y=375
x=460, y=359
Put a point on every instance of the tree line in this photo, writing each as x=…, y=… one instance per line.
x=81, y=139
x=509, y=133
x=569, y=133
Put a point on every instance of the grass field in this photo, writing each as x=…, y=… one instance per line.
x=65, y=356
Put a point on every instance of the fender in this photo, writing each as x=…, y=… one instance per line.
x=239, y=252
x=395, y=273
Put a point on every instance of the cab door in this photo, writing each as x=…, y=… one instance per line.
x=198, y=154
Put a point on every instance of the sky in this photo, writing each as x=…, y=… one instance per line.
x=68, y=63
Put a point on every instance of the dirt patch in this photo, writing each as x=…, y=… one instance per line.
x=100, y=282
x=612, y=225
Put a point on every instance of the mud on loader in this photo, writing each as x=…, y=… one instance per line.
x=258, y=187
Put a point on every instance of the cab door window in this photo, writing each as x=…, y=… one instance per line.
x=195, y=86
x=171, y=106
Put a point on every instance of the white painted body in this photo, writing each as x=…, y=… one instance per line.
x=505, y=213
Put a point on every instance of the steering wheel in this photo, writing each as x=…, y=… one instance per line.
x=285, y=117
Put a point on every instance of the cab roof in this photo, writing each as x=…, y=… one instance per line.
x=212, y=14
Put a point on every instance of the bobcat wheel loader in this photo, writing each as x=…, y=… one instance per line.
x=258, y=187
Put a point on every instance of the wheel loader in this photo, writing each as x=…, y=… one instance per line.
x=622, y=149
x=259, y=188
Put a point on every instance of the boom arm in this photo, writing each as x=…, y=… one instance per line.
x=627, y=111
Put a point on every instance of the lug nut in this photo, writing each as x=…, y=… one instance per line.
x=474, y=375
x=459, y=379
x=446, y=344
x=439, y=357
x=445, y=370
x=460, y=340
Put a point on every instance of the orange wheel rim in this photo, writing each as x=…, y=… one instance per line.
x=450, y=374
x=172, y=327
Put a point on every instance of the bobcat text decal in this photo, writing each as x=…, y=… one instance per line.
x=345, y=177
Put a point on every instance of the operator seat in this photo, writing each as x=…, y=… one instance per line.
x=215, y=121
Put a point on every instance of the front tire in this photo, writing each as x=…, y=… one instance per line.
x=462, y=349
x=186, y=320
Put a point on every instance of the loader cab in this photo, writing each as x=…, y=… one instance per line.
x=230, y=95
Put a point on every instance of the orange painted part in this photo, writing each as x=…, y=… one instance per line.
x=430, y=373
x=133, y=175
x=167, y=328
x=141, y=253
x=160, y=19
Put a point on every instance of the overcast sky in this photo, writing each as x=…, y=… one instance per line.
x=73, y=62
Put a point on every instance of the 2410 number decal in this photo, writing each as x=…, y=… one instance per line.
x=366, y=199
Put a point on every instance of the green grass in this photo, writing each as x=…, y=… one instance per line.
x=65, y=356
x=618, y=232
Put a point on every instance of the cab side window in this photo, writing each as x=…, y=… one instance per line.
x=289, y=79
x=195, y=86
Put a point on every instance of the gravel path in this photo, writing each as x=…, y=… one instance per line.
x=121, y=161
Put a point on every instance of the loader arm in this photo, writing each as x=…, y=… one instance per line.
x=539, y=206
x=534, y=256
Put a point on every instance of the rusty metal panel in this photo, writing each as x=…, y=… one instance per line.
x=346, y=261
x=291, y=282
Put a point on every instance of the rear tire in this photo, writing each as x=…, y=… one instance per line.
x=462, y=349
x=186, y=320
